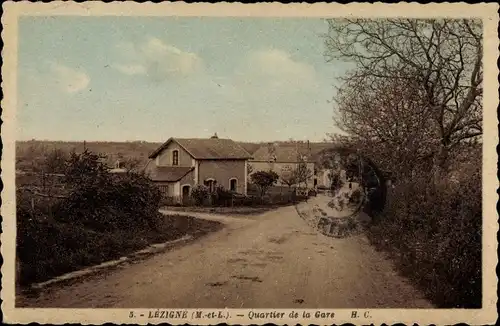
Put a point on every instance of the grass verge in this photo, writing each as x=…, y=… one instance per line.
x=58, y=248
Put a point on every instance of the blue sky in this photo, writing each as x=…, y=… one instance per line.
x=150, y=78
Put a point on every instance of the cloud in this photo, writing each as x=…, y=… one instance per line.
x=269, y=88
x=270, y=77
x=68, y=79
x=159, y=60
x=276, y=69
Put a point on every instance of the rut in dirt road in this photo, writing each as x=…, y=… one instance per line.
x=272, y=260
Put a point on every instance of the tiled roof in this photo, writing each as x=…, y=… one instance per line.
x=290, y=152
x=208, y=149
x=279, y=153
x=166, y=173
x=318, y=148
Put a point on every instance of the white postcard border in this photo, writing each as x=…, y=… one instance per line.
x=487, y=12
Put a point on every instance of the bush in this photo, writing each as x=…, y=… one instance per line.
x=46, y=249
x=250, y=201
x=112, y=202
x=105, y=216
x=376, y=201
x=355, y=197
x=336, y=182
x=199, y=193
x=221, y=196
x=435, y=229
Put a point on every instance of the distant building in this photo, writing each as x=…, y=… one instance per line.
x=328, y=165
x=283, y=159
x=182, y=163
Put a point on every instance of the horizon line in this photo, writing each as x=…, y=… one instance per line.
x=162, y=141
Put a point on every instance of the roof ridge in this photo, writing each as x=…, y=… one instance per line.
x=203, y=138
x=208, y=148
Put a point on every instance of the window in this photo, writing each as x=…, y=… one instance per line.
x=210, y=183
x=164, y=189
x=175, y=157
x=233, y=184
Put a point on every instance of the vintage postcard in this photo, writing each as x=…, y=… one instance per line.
x=249, y=164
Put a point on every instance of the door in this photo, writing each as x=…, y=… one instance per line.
x=185, y=194
x=233, y=185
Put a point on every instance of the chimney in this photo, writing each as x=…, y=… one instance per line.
x=214, y=136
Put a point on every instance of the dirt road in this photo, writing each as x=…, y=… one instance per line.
x=271, y=260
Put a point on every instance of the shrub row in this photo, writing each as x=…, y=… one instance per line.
x=113, y=202
x=434, y=233
x=103, y=216
x=220, y=197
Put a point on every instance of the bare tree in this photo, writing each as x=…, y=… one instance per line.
x=387, y=120
x=441, y=59
x=249, y=169
x=302, y=174
x=289, y=178
x=133, y=164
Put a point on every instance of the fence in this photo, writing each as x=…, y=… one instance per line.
x=37, y=205
x=38, y=192
x=44, y=183
x=236, y=200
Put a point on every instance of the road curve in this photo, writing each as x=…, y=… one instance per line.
x=273, y=260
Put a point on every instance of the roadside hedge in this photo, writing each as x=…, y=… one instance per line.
x=434, y=233
x=104, y=216
x=114, y=202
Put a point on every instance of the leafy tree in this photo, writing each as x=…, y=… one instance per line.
x=264, y=180
x=85, y=168
x=106, y=201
